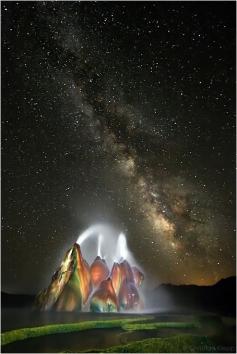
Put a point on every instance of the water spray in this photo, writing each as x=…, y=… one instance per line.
x=99, y=245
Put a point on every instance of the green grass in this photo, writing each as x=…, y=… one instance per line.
x=132, y=324
x=182, y=343
x=158, y=325
x=176, y=344
x=25, y=333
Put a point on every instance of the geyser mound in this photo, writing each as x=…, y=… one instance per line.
x=100, y=287
x=104, y=298
x=99, y=271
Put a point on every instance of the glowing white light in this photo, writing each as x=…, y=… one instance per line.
x=105, y=241
x=85, y=234
x=99, y=245
x=122, y=249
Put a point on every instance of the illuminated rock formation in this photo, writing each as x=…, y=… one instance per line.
x=47, y=298
x=98, y=271
x=76, y=287
x=126, y=272
x=128, y=296
x=138, y=276
x=82, y=271
x=104, y=298
x=126, y=279
x=116, y=277
x=70, y=286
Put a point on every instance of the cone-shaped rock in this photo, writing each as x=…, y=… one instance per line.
x=116, y=277
x=77, y=289
x=104, y=298
x=47, y=298
x=126, y=272
x=128, y=296
x=98, y=271
x=83, y=273
x=70, y=286
x=138, y=276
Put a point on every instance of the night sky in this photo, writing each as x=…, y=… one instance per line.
x=121, y=113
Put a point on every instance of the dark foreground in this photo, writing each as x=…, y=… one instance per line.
x=86, y=332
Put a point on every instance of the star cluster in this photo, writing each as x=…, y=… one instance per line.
x=121, y=113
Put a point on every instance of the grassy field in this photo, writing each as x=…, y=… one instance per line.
x=175, y=344
x=125, y=324
x=178, y=336
x=25, y=333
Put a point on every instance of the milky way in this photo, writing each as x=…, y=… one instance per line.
x=119, y=119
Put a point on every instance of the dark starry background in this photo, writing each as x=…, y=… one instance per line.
x=120, y=113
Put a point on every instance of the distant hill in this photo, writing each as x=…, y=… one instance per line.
x=220, y=297
x=16, y=300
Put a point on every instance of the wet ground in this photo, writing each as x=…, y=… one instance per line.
x=220, y=329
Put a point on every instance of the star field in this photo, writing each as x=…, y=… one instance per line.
x=121, y=113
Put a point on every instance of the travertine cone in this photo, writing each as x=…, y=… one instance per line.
x=138, y=276
x=99, y=271
x=128, y=296
x=83, y=271
x=104, y=298
x=116, y=277
x=70, y=286
x=47, y=298
x=77, y=289
x=126, y=272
